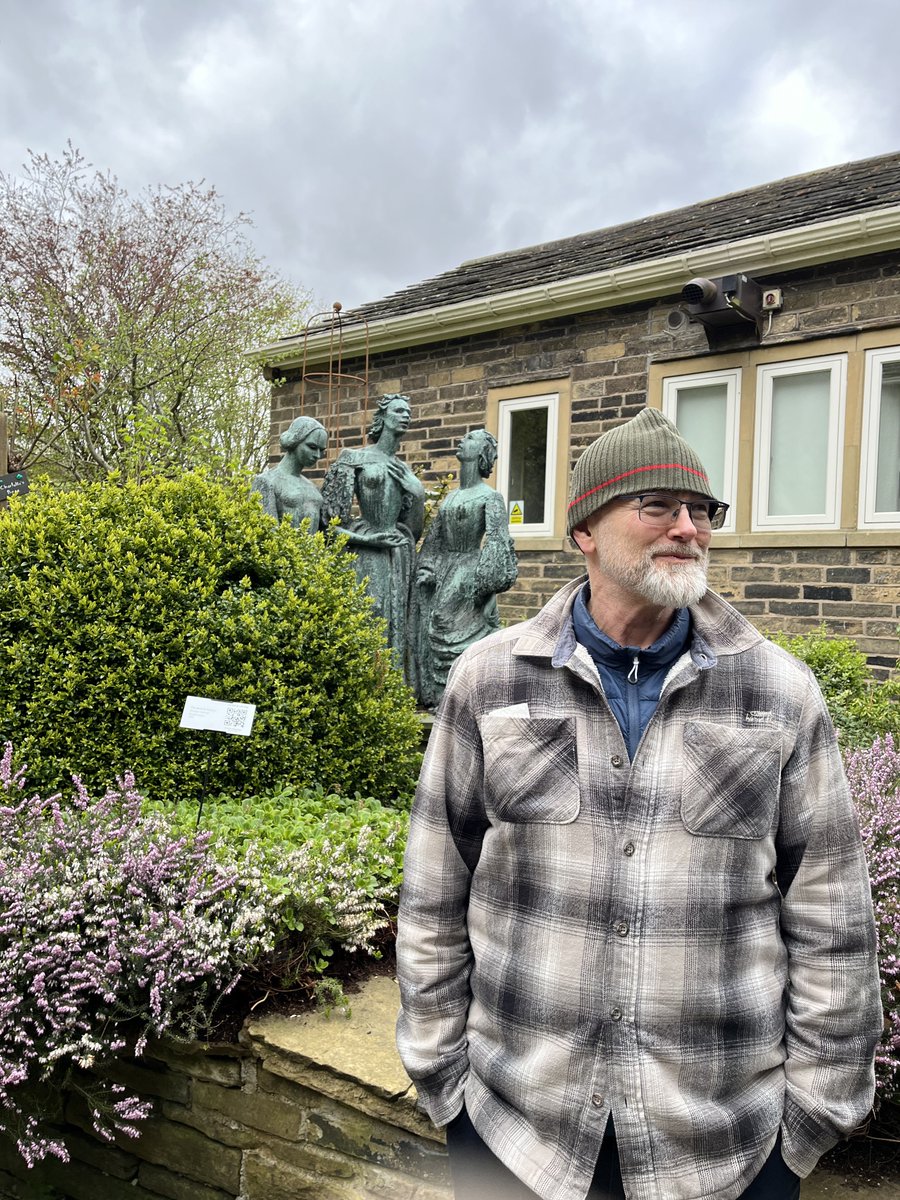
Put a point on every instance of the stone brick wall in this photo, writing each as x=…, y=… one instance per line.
x=606, y=356
x=312, y=1108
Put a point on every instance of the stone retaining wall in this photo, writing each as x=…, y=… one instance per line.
x=313, y=1107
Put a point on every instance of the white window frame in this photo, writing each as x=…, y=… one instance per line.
x=868, y=462
x=674, y=384
x=836, y=364
x=550, y=401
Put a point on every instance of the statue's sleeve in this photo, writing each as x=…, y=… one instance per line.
x=498, y=568
x=431, y=550
x=413, y=514
x=263, y=485
x=337, y=492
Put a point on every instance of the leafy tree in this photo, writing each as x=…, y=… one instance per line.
x=124, y=322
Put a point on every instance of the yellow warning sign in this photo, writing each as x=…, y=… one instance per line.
x=517, y=512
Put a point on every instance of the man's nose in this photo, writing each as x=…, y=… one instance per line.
x=684, y=528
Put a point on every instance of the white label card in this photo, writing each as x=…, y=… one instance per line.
x=223, y=716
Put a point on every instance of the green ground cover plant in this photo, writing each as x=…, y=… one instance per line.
x=861, y=708
x=333, y=863
x=118, y=601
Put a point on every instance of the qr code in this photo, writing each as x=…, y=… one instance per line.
x=234, y=717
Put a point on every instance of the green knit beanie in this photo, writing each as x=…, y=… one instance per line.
x=647, y=454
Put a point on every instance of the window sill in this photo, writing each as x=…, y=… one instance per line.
x=527, y=544
x=835, y=537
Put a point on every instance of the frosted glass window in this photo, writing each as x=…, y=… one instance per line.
x=799, y=442
x=887, y=474
x=705, y=409
x=798, y=451
x=879, y=474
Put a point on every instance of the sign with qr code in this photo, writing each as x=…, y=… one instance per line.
x=223, y=716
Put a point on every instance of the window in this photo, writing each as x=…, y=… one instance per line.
x=705, y=409
x=799, y=440
x=527, y=462
x=879, y=500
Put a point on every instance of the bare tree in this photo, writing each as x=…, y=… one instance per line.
x=124, y=325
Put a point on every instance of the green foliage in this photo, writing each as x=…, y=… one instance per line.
x=861, y=708
x=118, y=602
x=333, y=862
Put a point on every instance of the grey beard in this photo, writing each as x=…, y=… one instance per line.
x=673, y=589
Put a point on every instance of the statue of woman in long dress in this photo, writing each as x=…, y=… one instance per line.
x=391, y=504
x=284, y=488
x=467, y=557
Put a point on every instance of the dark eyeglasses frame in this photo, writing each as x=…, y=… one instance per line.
x=714, y=511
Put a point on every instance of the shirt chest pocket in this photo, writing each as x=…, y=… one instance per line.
x=731, y=780
x=531, y=768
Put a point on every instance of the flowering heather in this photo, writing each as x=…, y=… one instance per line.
x=111, y=929
x=874, y=777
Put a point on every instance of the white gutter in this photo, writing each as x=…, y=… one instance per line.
x=788, y=249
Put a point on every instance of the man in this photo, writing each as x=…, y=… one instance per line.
x=636, y=948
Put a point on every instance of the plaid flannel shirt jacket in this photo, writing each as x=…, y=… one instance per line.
x=684, y=942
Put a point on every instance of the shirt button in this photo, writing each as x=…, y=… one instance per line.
x=616, y=760
x=628, y=849
x=597, y=1100
x=615, y=1014
x=622, y=928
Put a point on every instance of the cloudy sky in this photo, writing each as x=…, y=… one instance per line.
x=378, y=142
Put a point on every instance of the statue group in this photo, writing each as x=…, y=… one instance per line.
x=437, y=601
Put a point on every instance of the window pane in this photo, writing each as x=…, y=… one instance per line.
x=702, y=414
x=798, y=453
x=887, y=485
x=528, y=461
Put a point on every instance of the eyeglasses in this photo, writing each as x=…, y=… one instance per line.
x=663, y=511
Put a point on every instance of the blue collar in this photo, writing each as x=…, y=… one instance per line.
x=664, y=651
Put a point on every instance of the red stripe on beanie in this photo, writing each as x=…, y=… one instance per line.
x=636, y=471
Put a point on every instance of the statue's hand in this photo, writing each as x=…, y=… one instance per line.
x=425, y=577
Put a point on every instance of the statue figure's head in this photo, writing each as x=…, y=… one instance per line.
x=482, y=443
x=306, y=438
x=393, y=412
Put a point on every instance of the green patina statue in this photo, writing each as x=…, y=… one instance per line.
x=391, y=503
x=467, y=557
x=284, y=488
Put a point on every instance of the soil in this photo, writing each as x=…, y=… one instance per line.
x=871, y=1158
x=258, y=996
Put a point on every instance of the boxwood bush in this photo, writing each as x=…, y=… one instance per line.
x=117, y=602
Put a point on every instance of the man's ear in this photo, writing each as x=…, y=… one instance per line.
x=582, y=538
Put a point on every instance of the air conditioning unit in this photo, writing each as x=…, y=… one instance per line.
x=727, y=300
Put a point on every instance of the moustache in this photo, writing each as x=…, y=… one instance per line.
x=683, y=552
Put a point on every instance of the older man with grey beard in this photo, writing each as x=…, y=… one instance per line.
x=636, y=948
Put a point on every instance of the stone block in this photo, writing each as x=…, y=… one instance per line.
x=604, y=353
x=265, y=1178
x=188, y=1152
x=104, y=1157
x=177, y=1187
x=270, y=1114
x=213, y=1125
x=216, y=1063
x=148, y=1079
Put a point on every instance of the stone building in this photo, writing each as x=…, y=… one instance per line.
x=783, y=368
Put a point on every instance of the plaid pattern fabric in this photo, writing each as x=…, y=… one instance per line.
x=685, y=941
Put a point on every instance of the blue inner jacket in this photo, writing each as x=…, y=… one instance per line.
x=632, y=678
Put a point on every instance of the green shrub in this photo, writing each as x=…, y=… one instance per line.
x=861, y=708
x=333, y=862
x=116, y=602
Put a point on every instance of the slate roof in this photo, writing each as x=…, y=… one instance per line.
x=871, y=183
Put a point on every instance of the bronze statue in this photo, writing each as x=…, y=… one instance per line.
x=391, y=503
x=467, y=557
x=284, y=488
